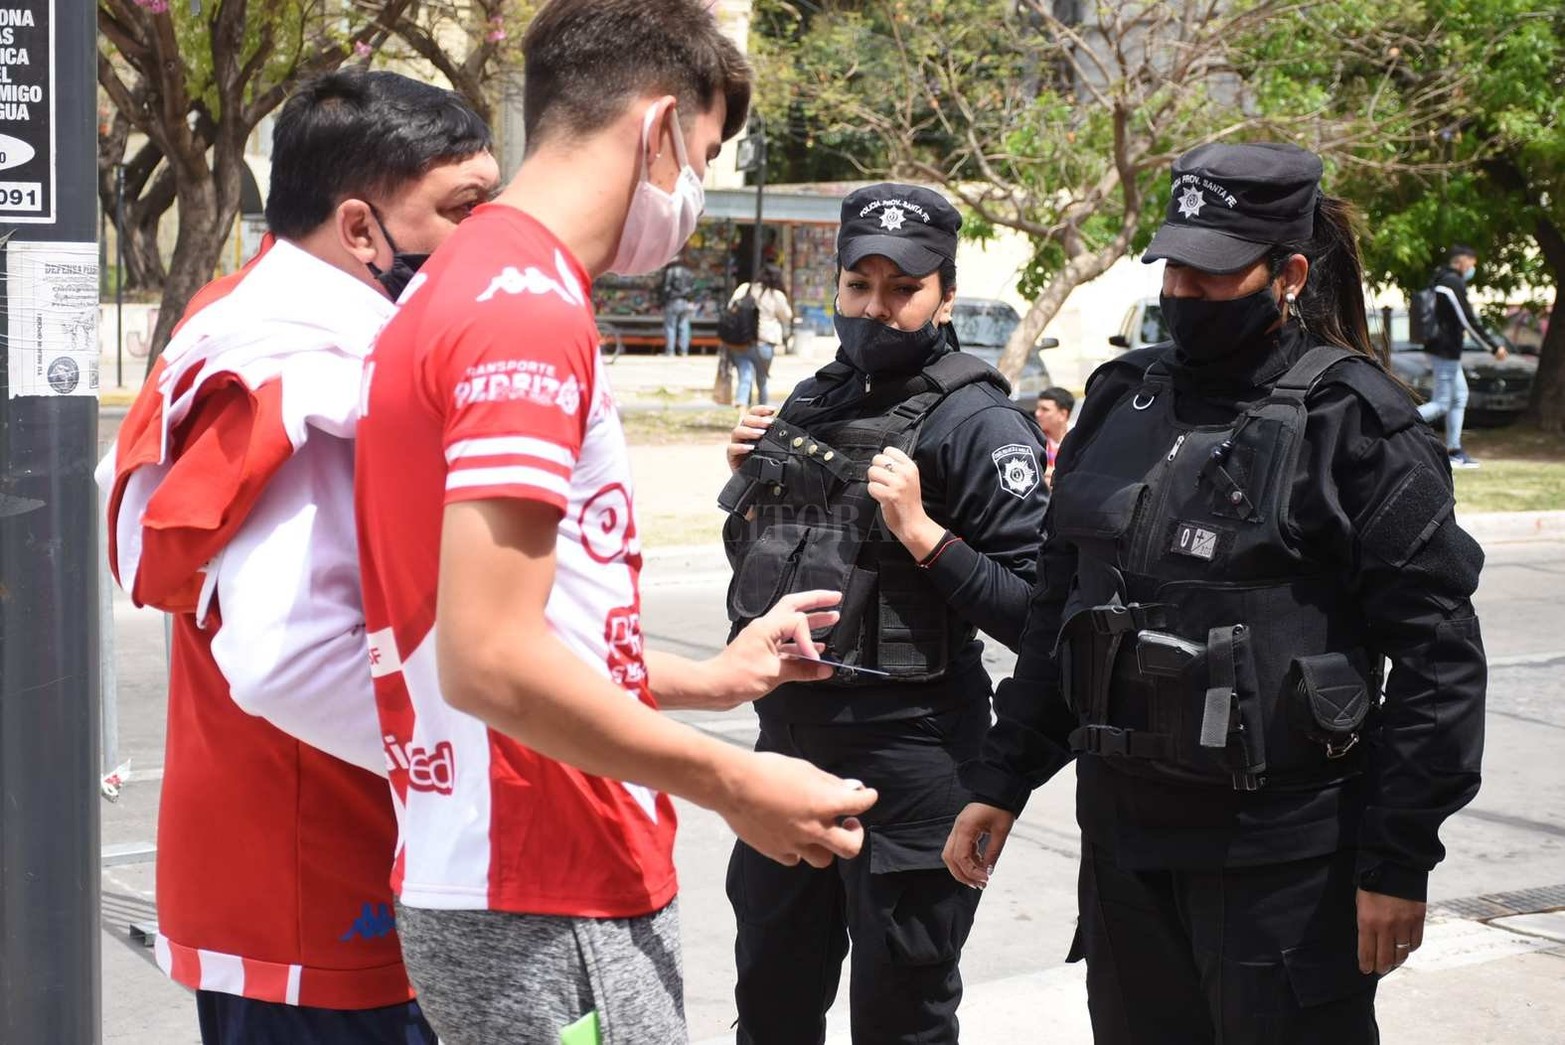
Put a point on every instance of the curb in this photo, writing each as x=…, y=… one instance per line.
x=1483, y=527
x=1506, y=527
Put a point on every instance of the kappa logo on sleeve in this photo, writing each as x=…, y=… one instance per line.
x=533, y=280
x=1018, y=468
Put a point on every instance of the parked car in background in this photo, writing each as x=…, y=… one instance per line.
x=1142, y=326
x=983, y=326
x=1497, y=390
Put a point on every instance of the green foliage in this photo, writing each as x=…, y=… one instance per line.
x=1034, y=122
x=1494, y=169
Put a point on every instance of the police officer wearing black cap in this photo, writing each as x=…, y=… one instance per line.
x=902, y=476
x=1248, y=524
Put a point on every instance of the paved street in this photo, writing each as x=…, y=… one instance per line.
x=1471, y=984
x=1512, y=838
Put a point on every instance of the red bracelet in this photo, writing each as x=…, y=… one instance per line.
x=946, y=540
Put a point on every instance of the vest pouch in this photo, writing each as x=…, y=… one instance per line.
x=1096, y=513
x=1238, y=479
x=1328, y=699
x=791, y=557
x=844, y=640
x=912, y=636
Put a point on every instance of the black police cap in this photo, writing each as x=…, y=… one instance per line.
x=913, y=226
x=1232, y=203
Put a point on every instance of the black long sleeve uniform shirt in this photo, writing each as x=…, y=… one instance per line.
x=985, y=578
x=1412, y=578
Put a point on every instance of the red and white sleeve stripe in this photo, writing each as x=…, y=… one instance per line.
x=521, y=466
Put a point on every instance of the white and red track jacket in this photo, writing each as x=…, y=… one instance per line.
x=230, y=506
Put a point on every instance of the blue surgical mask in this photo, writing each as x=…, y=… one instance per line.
x=1467, y=277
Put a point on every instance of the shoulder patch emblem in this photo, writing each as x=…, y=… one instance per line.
x=1017, y=464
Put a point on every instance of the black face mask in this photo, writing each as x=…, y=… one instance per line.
x=875, y=348
x=397, y=278
x=1209, y=330
x=403, y=265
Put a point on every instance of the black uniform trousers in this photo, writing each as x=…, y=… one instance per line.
x=907, y=917
x=1238, y=956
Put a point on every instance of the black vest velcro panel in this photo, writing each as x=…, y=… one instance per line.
x=1194, y=605
x=811, y=524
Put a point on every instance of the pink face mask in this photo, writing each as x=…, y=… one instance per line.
x=659, y=222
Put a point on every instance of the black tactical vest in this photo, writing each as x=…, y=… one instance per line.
x=1200, y=643
x=807, y=521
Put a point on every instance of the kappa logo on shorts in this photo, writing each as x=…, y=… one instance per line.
x=1018, y=468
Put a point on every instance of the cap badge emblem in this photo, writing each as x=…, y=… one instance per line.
x=1190, y=203
x=892, y=218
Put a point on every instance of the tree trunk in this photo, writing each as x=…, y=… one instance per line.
x=205, y=218
x=1547, y=410
x=1042, y=311
x=1548, y=389
x=1080, y=268
x=144, y=269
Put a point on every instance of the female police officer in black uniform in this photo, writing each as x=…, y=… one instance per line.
x=1245, y=525
x=901, y=476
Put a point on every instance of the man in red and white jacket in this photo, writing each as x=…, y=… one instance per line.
x=231, y=508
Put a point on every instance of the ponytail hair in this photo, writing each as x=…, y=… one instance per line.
x=1331, y=304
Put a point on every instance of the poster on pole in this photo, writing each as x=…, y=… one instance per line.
x=52, y=317
x=27, y=113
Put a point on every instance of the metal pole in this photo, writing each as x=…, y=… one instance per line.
x=760, y=192
x=103, y=252
x=119, y=275
x=50, y=980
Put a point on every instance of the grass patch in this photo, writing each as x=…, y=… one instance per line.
x=1523, y=471
x=662, y=427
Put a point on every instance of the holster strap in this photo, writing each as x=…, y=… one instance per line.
x=1221, y=694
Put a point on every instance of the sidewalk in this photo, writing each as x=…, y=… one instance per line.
x=1471, y=984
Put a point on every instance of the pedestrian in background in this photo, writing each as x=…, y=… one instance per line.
x=1053, y=414
x=679, y=284
x=774, y=316
x=1246, y=524
x=1455, y=322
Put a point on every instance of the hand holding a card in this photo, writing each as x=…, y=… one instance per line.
x=770, y=650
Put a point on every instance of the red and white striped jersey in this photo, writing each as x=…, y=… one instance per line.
x=487, y=385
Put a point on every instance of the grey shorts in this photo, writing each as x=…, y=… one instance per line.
x=494, y=978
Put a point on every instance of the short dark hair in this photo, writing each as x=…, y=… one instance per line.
x=1461, y=250
x=1059, y=397
x=585, y=60
x=364, y=134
